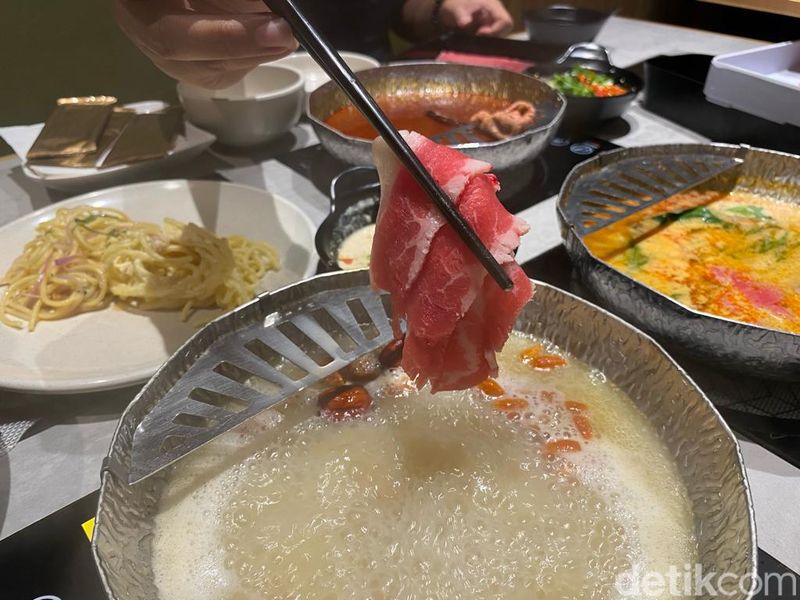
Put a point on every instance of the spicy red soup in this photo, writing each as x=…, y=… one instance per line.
x=412, y=113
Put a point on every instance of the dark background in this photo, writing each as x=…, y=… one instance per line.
x=55, y=48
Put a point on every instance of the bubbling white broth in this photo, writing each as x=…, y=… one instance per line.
x=454, y=495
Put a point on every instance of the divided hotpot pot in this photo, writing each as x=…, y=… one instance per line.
x=745, y=348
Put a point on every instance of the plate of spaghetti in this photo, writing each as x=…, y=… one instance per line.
x=97, y=291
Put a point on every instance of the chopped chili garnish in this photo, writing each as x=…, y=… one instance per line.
x=583, y=425
x=601, y=90
x=491, y=388
x=575, y=406
x=554, y=446
x=510, y=404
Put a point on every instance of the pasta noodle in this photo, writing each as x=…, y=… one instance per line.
x=88, y=256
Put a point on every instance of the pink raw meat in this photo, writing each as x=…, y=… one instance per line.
x=760, y=295
x=443, y=293
x=470, y=353
x=482, y=60
x=457, y=317
x=452, y=278
x=407, y=219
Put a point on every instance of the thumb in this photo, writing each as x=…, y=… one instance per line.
x=462, y=17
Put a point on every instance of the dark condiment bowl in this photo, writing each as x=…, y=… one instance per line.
x=355, y=194
x=563, y=25
x=583, y=114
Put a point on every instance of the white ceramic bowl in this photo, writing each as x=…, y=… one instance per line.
x=266, y=103
x=314, y=75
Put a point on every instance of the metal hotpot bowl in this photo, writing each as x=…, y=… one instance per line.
x=705, y=452
x=732, y=345
x=585, y=113
x=429, y=79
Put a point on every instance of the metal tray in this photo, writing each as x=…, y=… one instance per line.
x=733, y=345
x=706, y=453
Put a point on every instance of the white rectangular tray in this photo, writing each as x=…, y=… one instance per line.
x=764, y=82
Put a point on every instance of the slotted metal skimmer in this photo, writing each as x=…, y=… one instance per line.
x=623, y=188
x=236, y=371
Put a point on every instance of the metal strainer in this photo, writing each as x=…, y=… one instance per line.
x=236, y=374
x=629, y=186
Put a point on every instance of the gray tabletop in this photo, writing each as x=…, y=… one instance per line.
x=60, y=461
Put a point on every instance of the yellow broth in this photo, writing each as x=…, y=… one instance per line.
x=737, y=257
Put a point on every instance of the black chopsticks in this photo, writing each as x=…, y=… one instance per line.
x=329, y=59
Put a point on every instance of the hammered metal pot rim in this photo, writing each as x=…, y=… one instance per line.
x=361, y=278
x=330, y=86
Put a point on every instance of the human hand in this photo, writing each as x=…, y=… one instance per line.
x=482, y=17
x=210, y=43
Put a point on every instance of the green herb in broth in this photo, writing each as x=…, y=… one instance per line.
x=770, y=243
x=754, y=212
x=636, y=258
x=702, y=213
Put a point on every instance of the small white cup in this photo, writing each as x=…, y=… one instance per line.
x=314, y=75
x=263, y=105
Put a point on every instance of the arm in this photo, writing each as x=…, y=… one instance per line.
x=421, y=19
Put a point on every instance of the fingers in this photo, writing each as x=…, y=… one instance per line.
x=483, y=17
x=494, y=19
x=497, y=26
x=211, y=74
x=229, y=6
x=190, y=36
x=201, y=75
x=463, y=16
x=210, y=43
x=209, y=37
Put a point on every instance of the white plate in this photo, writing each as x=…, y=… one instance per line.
x=191, y=143
x=112, y=347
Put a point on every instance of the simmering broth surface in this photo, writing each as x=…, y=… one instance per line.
x=736, y=256
x=478, y=494
x=410, y=112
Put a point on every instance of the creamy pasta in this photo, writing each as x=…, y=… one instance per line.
x=86, y=257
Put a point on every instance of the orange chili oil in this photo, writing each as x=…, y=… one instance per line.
x=411, y=112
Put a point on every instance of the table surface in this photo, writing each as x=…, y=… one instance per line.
x=60, y=462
